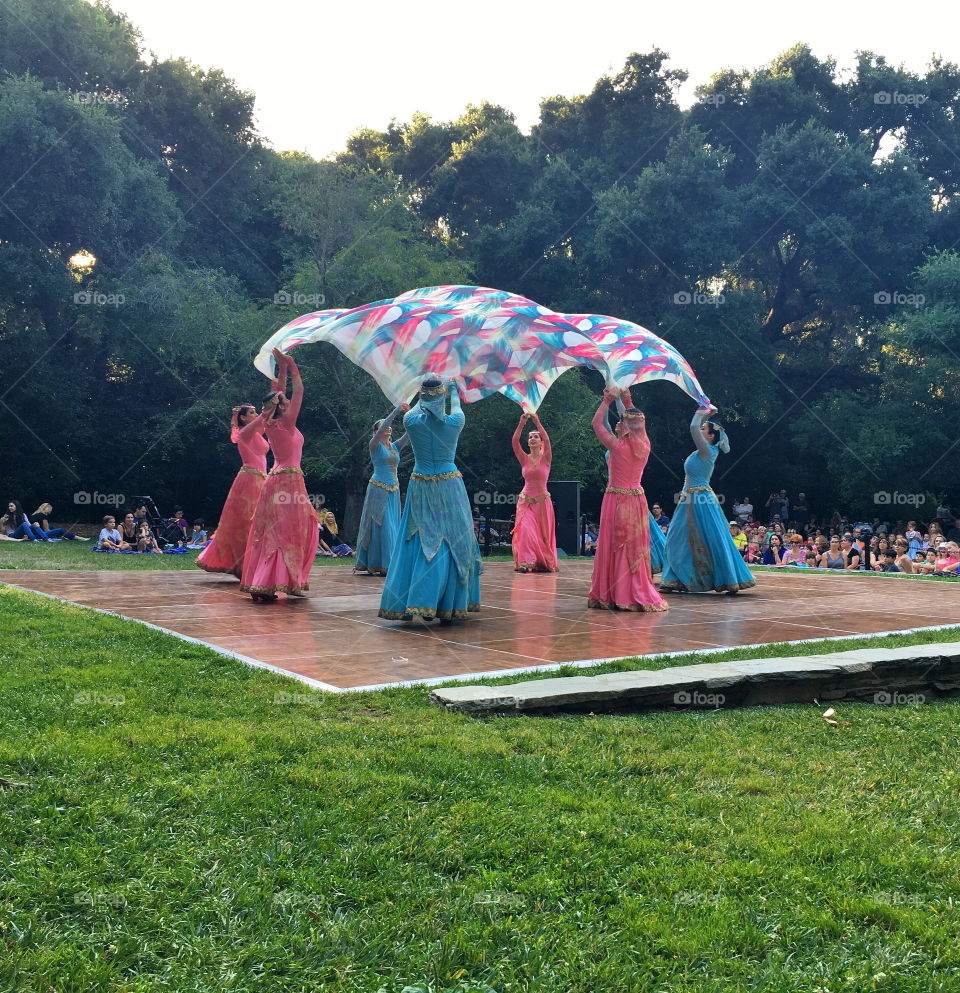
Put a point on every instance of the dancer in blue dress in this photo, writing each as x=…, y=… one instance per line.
x=700, y=554
x=435, y=568
x=380, y=517
x=658, y=539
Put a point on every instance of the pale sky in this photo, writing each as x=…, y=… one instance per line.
x=320, y=70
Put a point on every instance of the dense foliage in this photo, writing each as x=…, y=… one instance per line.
x=792, y=233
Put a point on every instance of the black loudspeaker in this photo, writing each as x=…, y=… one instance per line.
x=566, y=507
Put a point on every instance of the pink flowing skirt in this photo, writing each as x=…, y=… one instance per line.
x=283, y=537
x=225, y=553
x=534, y=536
x=622, y=579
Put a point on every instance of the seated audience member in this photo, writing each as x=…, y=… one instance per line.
x=811, y=562
x=590, y=536
x=852, y=555
x=888, y=561
x=738, y=537
x=929, y=564
x=754, y=553
x=832, y=556
x=129, y=530
x=795, y=554
x=322, y=547
x=330, y=533
x=948, y=558
x=953, y=533
x=16, y=524
x=40, y=518
x=903, y=560
x=110, y=536
x=659, y=516
x=146, y=541
x=774, y=552
x=198, y=536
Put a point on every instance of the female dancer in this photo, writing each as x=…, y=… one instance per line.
x=657, y=538
x=534, y=533
x=700, y=555
x=380, y=517
x=283, y=535
x=435, y=568
x=622, y=579
x=225, y=552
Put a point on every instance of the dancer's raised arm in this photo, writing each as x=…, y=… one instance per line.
x=296, y=397
x=456, y=414
x=235, y=425
x=545, y=438
x=380, y=435
x=515, y=440
x=600, y=427
x=703, y=446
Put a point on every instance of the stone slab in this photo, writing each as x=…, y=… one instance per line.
x=860, y=674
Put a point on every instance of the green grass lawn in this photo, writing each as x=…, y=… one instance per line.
x=189, y=824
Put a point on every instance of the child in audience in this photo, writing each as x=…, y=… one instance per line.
x=198, y=536
x=110, y=536
x=146, y=542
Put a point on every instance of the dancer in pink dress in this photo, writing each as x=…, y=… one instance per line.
x=534, y=534
x=283, y=536
x=622, y=579
x=225, y=552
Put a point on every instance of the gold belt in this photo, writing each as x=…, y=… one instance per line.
x=697, y=489
x=252, y=471
x=440, y=475
x=384, y=486
x=526, y=498
x=619, y=489
x=289, y=468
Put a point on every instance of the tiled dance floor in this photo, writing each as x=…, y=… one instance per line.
x=335, y=639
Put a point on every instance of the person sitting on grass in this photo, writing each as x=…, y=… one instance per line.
x=16, y=524
x=198, y=535
x=146, y=542
x=110, y=537
x=330, y=535
x=40, y=518
x=851, y=554
x=774, y=553
x=129, y=531
x=903, y=560
x=948, y=559
x=888, y=562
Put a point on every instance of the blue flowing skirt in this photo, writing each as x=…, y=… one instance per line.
x=657, y=542
x=379, y=527
x=435, y=568
x=699, y=554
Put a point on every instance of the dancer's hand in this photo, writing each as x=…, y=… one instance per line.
x=404, y=407
x=610, y=392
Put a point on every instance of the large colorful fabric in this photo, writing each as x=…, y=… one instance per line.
x=632, y=354
x=487, y=340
